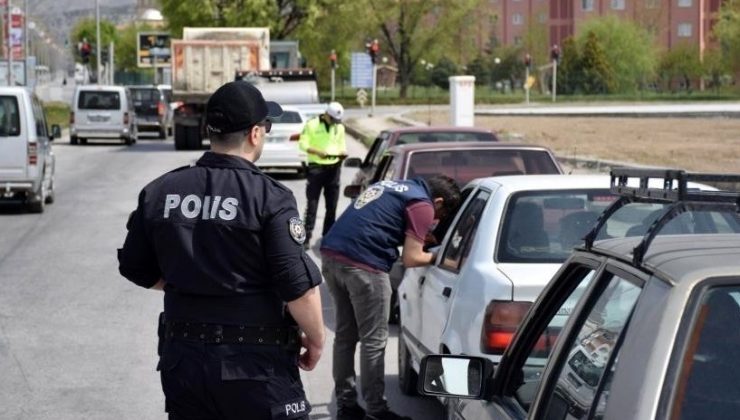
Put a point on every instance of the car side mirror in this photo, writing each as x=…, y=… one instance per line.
x=56, y=132
x=454, y=376
x=353, y=162
x=352, y=191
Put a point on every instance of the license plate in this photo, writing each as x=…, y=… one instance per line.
x=97, y=118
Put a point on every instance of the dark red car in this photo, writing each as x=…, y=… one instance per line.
x=462, y=161
x=411, y=135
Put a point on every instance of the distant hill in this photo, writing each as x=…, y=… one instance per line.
x=58, y=17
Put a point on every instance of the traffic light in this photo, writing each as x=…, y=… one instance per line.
x=528, y=60
x=85, y=50
x=555, y=53
x=333, y=59
x=373, y=48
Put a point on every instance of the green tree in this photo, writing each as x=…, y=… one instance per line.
x=412, y=30
x=442, y=71
x=727, y=31
x=126, y=58
x=506, y=64
x=680, y=64
x=481, y=69
x=628, y=49
x=597, y=76
x=283, y=17
x=85, y=29
x=570, y=70
x=715, y=66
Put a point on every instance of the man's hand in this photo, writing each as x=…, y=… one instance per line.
x=310, y=357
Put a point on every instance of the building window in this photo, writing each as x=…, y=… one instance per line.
x=684, y=3
x=517, y=19
x=684, y=30
x=618, y=4
x=587, y=5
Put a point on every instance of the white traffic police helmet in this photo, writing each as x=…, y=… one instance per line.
x=335, y=110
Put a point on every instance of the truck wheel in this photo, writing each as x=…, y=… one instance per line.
x=73, y=140
x=194, y=139
x=407, y=378
x=181, y=137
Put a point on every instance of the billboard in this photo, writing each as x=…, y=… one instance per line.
x=16, y=35
x=153, y=49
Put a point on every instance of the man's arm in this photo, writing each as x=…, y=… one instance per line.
x=413, y=254
x=306, y=310
x=137, y=258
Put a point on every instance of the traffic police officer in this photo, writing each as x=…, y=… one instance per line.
x=323, y=140
x=224, y=242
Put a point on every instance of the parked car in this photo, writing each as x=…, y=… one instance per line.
x=281, y=144
x=152, y=110
x=102, y=112
x=27, y=162
x=463, y=161
x=640, y=327
x=408, y=135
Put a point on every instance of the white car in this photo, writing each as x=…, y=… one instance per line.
x=102, y=112
x=506, y=242
x=281, y=145
x=27, y=162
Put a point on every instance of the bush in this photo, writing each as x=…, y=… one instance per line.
x=57, y=113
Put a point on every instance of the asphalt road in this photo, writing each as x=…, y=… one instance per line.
x=79, y=341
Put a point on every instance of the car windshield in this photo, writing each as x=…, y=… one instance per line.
x=465, y=165
x=100, y=100
x=287, y=117
x=439, y=136
x=9, y=119
x=145, y=95
x=544, y=226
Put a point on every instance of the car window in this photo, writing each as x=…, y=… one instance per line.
x=146, y=95
x=465, y=165
x=10, y=124
x=38, y=115
x=287, y=117
x=708, y=379
x=99, y=100
x=634, y=220
x=385, y=171
x=544, y=226
x=461, y=238
x=379, y=147
x=440, y=136
x=577, y=383
x=539, y=354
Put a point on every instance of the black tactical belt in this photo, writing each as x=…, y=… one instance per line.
x=232, y=334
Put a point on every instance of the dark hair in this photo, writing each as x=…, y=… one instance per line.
x=444, y=187
x=232, y=139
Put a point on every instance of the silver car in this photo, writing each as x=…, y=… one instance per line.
x=102, y=112
x=281, y=144
x=651, y=329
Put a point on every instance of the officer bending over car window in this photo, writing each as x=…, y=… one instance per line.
x=225, y=243
x=357, y=254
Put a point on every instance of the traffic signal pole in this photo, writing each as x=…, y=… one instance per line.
x=554, y=79
x=375, y=86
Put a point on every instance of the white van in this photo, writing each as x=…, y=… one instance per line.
x=102, y=112
x=26, y=159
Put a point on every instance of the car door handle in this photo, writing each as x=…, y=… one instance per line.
x=446, y=292
x=403, y=296
x=422, y=279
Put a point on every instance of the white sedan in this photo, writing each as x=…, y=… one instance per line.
x=506, y=242
x=281, y=144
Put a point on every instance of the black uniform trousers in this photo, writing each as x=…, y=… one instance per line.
x=209, y=381
x=320, y=177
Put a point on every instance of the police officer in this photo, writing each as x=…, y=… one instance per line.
x=224, y=242
x=323, y=140
x=389, y=214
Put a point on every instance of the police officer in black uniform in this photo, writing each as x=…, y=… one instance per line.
x=225, y=243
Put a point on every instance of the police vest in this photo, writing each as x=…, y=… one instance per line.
x=373, y=227
x=316, y=136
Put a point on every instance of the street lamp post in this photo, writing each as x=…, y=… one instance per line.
x=97, y=39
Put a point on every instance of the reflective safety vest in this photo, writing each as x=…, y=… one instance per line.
x=373, y=227
x=316, y=136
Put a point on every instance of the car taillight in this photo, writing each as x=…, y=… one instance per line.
x=160, y=109
x=71, y=117
x=501, y=319
x=125, y=117
x=33, y=157
x=295, y=137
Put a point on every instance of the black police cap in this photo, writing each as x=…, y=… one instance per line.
x=237, y=106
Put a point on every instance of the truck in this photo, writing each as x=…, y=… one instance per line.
x=207, y=58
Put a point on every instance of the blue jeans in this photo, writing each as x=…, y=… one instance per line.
x=362, y=302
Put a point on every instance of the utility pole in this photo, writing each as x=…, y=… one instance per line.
x=333, y=60
x=25, y=42
x=9, y=44
x=97, y=40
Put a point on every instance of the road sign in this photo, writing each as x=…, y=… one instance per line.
x=153, y=48
x=361, y=71
x=361, y=97
x=530, y=82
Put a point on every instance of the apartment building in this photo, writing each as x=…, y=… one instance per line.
x=673, y=22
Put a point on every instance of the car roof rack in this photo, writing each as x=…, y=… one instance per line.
x=675, y=193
